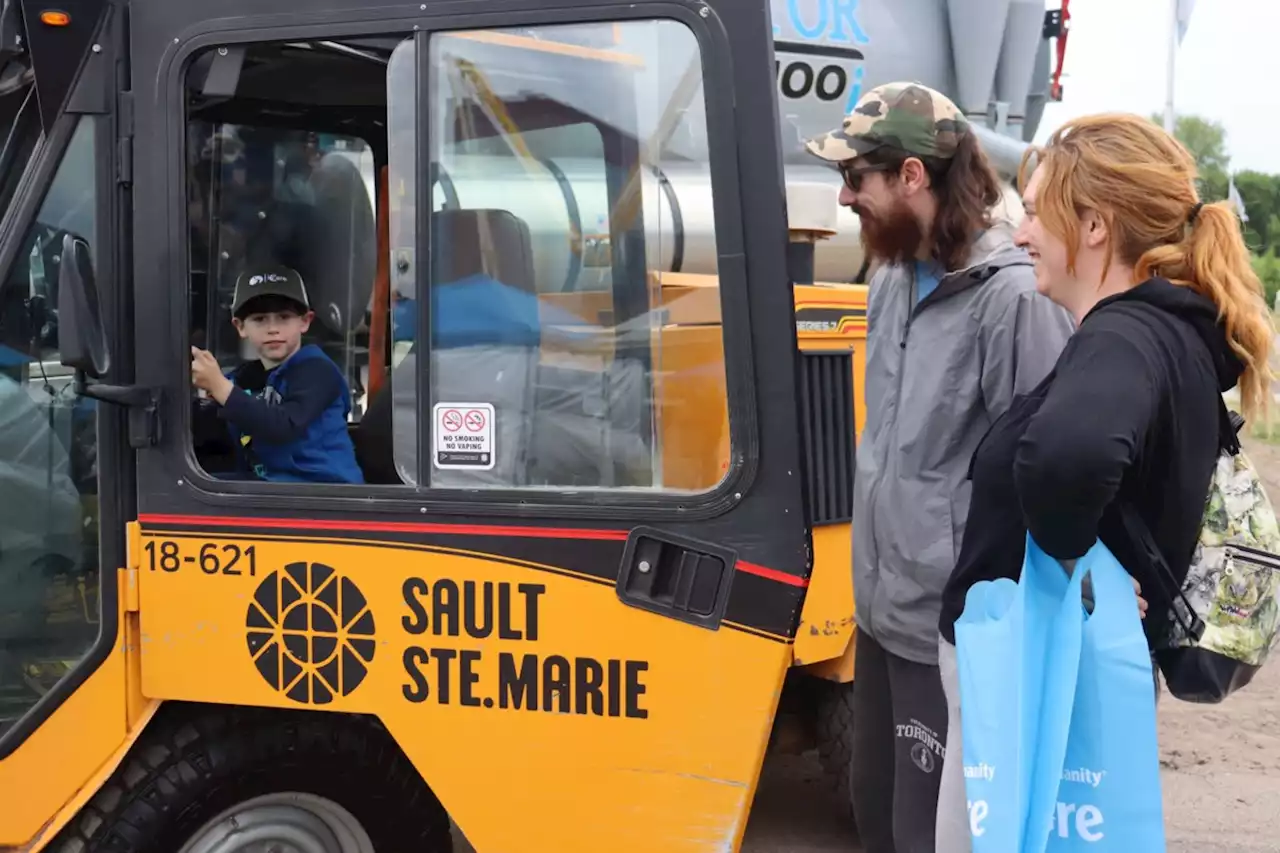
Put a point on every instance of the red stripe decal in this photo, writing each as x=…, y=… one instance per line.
x=772, y=574
x=433, y=527
x=387, y=527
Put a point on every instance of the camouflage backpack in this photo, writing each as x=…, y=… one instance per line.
x=1226, y=617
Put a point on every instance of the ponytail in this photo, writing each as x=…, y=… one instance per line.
x=1213, y=261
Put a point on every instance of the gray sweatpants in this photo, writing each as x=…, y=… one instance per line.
x=951, y=831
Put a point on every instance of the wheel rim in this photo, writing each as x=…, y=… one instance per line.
x=284, y=822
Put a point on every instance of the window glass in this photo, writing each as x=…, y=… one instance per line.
x=19, y=135
x=49, y=609
x=284, y=151
x=267, y=195
x=575, y=339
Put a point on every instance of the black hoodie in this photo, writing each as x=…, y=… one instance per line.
x=1129, y=416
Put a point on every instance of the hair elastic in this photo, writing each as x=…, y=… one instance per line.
x=1195, y=211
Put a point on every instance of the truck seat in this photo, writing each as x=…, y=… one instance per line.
x=475, y=253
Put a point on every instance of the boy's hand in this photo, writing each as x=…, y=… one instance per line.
x=206, y=374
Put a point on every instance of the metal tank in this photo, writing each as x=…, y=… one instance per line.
x=989, y=55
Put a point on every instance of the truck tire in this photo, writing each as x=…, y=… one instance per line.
x=835, y=741
x=231, y=779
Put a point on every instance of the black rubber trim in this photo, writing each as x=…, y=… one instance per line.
x=677, y=218
x=440, y=175
x=575, y=221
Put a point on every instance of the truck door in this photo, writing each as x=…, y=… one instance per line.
x=66, y=470
x=554, y=538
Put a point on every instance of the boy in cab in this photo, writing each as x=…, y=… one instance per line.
x=286, y=411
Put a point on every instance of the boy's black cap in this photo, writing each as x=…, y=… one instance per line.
x=269, y=281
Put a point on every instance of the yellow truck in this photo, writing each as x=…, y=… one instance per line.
x=605, y=415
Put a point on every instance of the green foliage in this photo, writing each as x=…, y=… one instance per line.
x=1268, y=269
x=1260, y=192
x=1207, y=142
x=1261, y=196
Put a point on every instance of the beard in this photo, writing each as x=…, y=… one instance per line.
x=893, y=237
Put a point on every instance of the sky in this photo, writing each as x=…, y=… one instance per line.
x=1227, y=69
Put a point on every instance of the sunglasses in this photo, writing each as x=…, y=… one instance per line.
x=853, y=174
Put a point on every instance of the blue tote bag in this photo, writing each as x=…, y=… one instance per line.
x=1058, y=712
x=1006, y=676
x=1108, y=795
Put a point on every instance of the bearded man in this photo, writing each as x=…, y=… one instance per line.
x=956, y=330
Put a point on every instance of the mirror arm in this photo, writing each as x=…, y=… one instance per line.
x=142, y=402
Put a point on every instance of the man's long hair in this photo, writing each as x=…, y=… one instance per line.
x=966, y=188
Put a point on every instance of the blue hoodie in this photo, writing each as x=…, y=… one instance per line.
x=295, y=428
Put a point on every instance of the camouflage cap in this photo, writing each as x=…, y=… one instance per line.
x=907, y=116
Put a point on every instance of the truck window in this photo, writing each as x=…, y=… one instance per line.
x=48, y=439
x=282, y=154
x=564, y=353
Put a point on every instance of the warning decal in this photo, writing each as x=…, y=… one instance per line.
x=464, y=436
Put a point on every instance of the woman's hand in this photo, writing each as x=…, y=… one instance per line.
x=1087, y=589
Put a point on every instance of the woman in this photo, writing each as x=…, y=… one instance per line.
x=1170, y=315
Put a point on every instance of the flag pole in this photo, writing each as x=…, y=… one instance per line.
x=1172, y=66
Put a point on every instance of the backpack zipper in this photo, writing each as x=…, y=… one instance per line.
x=1252, y=556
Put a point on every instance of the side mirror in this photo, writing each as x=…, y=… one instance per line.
x=82, y=340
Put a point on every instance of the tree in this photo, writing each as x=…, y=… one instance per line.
x=1260, y=193
x=1207, y=141
x=1268, y=269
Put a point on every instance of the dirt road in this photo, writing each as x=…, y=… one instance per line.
x=1221, y=782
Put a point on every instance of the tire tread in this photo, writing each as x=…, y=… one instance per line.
x=196, y=760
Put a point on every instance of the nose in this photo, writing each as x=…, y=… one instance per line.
x=847, y=197
x=1021, y=236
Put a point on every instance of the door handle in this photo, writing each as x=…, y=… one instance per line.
x=676, y=576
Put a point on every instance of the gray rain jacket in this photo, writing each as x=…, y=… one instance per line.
x=937, y=376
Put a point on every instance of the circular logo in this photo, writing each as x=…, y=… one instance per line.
x=310, y=633
x=922, y=757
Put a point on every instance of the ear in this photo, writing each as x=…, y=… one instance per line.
x=306, y=320
x=1093, y=230
x=239, y=324
x=913, y=177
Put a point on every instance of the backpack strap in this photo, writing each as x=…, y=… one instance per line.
x=1229, y=425
x=1139, y=532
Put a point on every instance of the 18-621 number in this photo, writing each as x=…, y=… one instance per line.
x=213, y=559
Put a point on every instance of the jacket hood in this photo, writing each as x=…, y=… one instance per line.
x=1199, y=311
x=991, y=252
